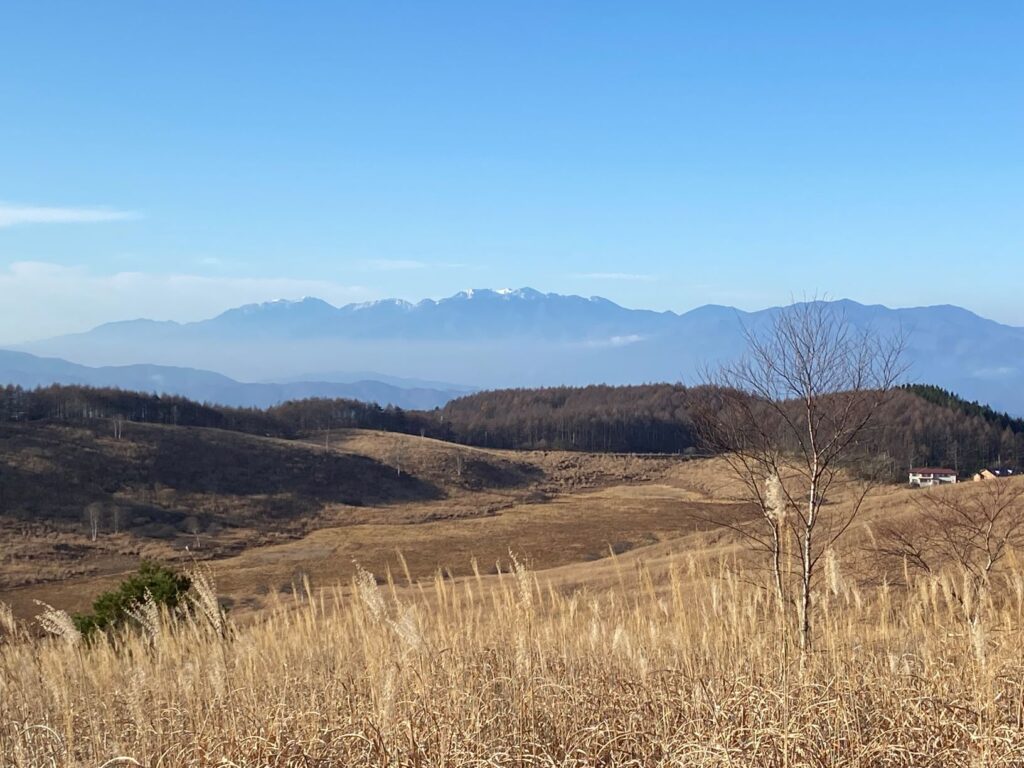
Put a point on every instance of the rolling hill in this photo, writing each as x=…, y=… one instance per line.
x=181, y=493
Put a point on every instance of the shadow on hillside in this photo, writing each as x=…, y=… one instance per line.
x=446, y=464
x=191, y=463
x=53, y=473
x=478, y=474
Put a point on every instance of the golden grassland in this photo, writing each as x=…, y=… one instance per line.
x=678, y=662
x=669, y=653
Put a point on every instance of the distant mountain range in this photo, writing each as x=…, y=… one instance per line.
x=29, y=371
x=528, y=338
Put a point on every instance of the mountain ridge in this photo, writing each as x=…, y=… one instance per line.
x=523, y=294
x=525, y=338
x=29, y=371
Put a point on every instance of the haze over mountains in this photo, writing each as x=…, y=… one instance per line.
x=523, y=337
x=29, y=371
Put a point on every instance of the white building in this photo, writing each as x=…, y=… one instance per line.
x=922, y=477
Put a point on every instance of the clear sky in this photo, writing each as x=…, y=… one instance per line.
x=173, y=159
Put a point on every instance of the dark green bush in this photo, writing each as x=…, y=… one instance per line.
x=110, y=610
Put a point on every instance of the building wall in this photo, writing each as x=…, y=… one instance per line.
x=926, y=481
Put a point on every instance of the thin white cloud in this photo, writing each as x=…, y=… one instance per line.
x=392, y=265
x=211, y=261
x=624, y=276
x=615, y=341
x=404, y=265
x=13, y=215
x=42, y=299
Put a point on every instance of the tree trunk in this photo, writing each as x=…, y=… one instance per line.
x=807, y=564
x=780, y=594
x=805, y=596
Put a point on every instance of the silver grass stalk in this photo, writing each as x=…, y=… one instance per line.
x=58, y=623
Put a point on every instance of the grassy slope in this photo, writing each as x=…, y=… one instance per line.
x=270, y=511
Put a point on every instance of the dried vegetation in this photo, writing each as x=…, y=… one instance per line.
x=681, y=663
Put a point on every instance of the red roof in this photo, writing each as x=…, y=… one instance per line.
x=932, y=471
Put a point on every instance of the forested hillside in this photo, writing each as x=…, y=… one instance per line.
x=950, y=400
x=291, y=419
x=921, y=425
x=929, y=426
x=79, y=403
x=652, y=418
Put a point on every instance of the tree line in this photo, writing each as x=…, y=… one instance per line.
x=920, y=425
x=72, y=403
x=916, y=427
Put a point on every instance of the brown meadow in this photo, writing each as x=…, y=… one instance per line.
x=678, y=661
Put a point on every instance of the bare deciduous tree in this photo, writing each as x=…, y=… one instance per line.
x=93, y=513
x=971, y=530
x=789, y=418
x=194, y=527
x=397, y=453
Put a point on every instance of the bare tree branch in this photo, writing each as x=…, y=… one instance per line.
x=791, y=412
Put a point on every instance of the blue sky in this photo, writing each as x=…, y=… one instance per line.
x=170, y=160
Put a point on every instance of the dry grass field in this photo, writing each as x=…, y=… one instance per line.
x=536, y=609
x=675, y=662
x=268, y=512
